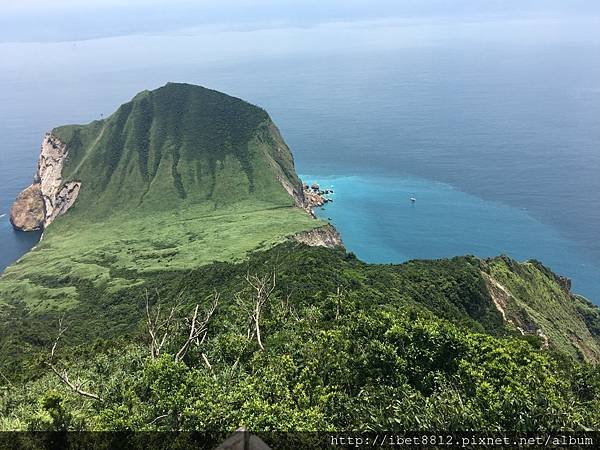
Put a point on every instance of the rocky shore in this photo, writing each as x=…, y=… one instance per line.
x=315, y=197
x=326, y=236
x=27, y=213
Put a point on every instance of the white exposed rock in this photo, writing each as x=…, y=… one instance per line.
x=64, y=199
x=57, y=196
x=49, y=174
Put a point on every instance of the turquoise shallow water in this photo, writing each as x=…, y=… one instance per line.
x=380, y=224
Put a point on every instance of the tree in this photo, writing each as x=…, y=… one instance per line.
x=63, y=375
x=262, y=287
x=161, y=328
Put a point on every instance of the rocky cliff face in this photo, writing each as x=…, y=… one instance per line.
x=326, y=236
x=48, y=197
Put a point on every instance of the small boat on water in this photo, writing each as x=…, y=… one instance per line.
x=412, y=199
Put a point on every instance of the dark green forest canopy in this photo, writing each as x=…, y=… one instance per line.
x=346, y=345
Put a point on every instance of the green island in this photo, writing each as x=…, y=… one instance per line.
x=176, y=289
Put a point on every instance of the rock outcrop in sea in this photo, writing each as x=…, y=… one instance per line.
x=245, y=158
x=314, y=197
x=27, y=213
x=47, y=197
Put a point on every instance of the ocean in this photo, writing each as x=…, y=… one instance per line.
x=495, y=132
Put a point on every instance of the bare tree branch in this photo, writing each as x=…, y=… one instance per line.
x=6, y=379
x=158, y=418
x=63, y=375
x=198, y=327
x=206, y=361
x=263, y=288
x=159, y=329
x=338, y=300
x=61, y=331
x=76, y=387
x=285, y=302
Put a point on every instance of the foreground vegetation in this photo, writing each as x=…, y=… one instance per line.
x=344, y=345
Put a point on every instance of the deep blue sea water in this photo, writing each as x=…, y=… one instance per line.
x=495, y=130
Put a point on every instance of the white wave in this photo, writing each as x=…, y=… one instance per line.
x=2, y=215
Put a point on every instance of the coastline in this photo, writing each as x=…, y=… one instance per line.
x=379, y=223
x=315, y=196
x=14, y=243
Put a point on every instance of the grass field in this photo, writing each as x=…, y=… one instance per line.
x=175, y=179
x=114, y=252
x=536, y=299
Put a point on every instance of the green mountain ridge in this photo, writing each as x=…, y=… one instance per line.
x=175, y=146
x=188, y=196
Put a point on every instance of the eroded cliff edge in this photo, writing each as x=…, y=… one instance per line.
x=325, y=236
x=48, y=197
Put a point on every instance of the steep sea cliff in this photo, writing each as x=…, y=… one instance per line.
x=48, y=197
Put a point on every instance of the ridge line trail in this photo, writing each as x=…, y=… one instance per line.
x=91, y=148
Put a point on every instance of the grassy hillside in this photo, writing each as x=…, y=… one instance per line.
x=534, y=302
x=179, y=145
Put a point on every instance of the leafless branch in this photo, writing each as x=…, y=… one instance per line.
x=263, y=288
x=159, y=328
x=63, y=375
x=158, y=418
x=5, y=378
x=285, y=302
x=206, y=361
x=198, y=327
x=61, y=331
x=338, y=301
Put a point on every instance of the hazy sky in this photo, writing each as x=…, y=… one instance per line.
x=64, y=20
